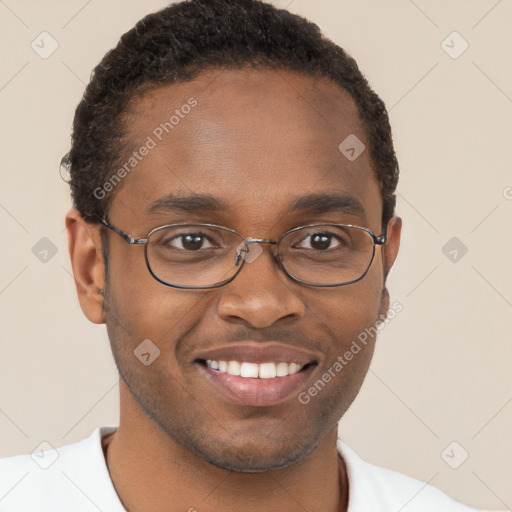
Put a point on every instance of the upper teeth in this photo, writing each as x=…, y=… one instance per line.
x=255, y=370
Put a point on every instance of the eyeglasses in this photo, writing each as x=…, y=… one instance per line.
x=197, y=256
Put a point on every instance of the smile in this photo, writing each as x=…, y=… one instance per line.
x=255, y=374
x=268, y=370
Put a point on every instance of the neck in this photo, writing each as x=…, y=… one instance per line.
x=151, y=472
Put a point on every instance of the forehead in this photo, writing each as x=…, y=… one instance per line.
x=257, y=139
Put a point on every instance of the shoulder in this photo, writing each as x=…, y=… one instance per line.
x=376, y=488
x=73, y=477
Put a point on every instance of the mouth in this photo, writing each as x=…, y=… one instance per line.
x=257, y=375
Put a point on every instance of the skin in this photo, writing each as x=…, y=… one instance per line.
x=258, y=140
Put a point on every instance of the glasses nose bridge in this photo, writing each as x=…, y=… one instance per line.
x=251, y=240
x=242, y=248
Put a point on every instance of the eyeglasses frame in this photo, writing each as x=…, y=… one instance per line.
x=239, y=260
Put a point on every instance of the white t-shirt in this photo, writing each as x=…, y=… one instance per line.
x=75, y=478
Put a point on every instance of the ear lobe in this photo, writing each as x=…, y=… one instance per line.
x=385, y=302
x=84, y=245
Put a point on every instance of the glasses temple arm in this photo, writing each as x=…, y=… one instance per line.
x=123, y=235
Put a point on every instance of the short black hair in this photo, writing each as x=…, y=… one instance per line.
x=178, y=42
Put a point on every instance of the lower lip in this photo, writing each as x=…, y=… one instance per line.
x=258, y=392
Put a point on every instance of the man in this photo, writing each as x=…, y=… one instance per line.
x=233, y=179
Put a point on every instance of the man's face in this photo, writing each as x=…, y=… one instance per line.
x=256, y=142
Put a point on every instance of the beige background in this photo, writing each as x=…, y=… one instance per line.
x=442, y=367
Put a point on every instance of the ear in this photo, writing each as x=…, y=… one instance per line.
x=389, y=254
x=84, y=245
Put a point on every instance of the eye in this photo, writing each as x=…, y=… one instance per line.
x=319, y=241
x=189, y=241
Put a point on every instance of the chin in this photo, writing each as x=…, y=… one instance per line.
x=250, y=459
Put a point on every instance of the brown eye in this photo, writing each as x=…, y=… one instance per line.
x=320, y=241
x=189, y=242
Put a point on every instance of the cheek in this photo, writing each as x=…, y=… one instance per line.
x=142, y=308
x=348, y=310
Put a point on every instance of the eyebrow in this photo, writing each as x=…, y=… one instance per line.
x=311, y=203
x=330, y=202
x=195, y=203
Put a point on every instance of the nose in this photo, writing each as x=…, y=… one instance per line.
x=261, y=294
